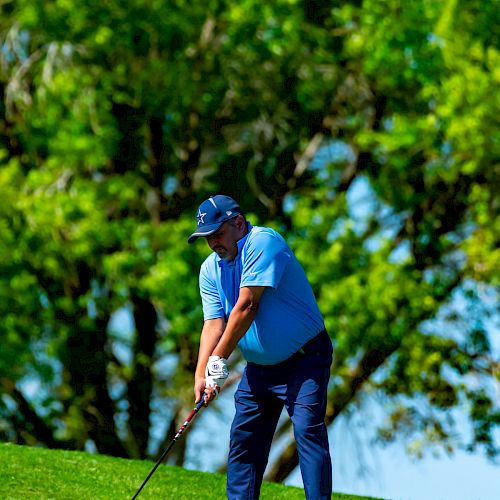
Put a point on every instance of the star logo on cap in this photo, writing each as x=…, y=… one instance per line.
x=200, y=217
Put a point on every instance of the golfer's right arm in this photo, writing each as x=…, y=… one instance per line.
x=210, y=335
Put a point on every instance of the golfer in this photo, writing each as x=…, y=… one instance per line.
x=256, y=296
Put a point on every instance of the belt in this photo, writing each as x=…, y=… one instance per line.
x=314, y=344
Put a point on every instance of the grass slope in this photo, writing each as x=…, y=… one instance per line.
x=57, y=474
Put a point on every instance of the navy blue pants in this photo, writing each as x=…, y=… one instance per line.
x=300, y=384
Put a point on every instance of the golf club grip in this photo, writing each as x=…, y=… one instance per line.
x=200, y=404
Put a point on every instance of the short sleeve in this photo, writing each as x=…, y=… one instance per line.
x=265, y=259
x=210, y=298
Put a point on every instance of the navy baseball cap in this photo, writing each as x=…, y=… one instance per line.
x=212, y=213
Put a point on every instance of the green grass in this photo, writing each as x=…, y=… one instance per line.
x=39, y=473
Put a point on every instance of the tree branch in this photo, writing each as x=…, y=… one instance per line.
x=27, y=419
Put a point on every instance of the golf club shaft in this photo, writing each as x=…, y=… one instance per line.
x=183, y=427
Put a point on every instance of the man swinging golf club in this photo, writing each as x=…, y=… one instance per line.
x=256, y=296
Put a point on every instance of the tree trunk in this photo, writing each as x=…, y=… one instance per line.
x=140, y=386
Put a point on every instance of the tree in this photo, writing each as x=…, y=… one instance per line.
x=118, y=119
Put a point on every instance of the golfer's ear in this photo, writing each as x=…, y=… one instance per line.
x=240, y=222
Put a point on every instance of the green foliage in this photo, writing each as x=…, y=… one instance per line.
x=366, y=132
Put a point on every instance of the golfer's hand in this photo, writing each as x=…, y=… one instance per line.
x=201, y=390
x=216, y=374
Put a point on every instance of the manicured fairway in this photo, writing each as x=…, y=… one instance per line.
x=56, y=474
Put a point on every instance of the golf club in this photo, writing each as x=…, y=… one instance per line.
x=183, y=427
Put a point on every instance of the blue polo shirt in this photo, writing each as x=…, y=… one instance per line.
x=288, y=315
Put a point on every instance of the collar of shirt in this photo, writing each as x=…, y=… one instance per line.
x=239, y=243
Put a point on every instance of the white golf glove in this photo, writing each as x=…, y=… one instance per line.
x=216, y=372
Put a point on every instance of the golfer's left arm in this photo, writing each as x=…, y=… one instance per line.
x=239, y=320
